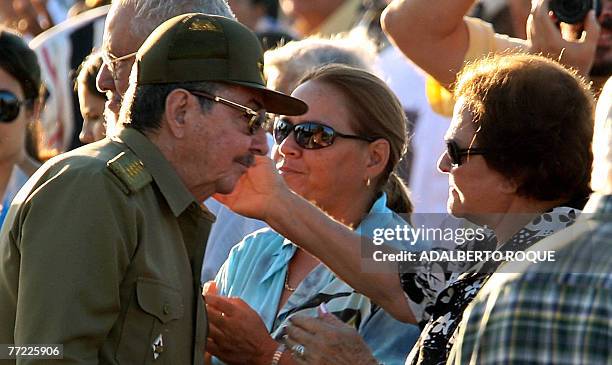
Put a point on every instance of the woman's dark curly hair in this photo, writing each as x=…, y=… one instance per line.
x=536, y=121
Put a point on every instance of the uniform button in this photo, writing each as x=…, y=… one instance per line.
x=166, y=308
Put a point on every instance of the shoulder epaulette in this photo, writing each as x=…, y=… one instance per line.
x=130, y=171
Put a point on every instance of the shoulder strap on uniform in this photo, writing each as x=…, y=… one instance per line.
x=130, y=171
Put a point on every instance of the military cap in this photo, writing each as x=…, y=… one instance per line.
x=200, y=47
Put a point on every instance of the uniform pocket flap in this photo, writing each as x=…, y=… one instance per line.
x=159, y=299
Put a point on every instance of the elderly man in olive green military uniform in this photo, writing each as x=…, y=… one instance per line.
x=103, y=249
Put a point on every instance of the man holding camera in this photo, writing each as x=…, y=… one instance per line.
x=437, y=36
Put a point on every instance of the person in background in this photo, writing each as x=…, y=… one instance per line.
x=27, y=17
x=342, y=155
x=60, y=51
x=506, y=16
x=438, y=38
x=81, y=6
x=20, y=103
x=553, y=312
x=261, y=16
x=286, y=65
x=321, y=17
x=91, y=100
x=602, y=65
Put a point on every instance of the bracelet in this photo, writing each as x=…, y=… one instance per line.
x=278, y=354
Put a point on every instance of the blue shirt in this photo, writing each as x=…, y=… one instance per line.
x=18, y=179
x=255, y=271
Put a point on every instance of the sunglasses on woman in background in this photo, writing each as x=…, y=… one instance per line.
x=310, y=135
x=10, y=106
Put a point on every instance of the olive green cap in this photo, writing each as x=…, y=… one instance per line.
x=199, y=47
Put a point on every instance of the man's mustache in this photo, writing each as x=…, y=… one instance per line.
x=247, y=160
x=606, y=23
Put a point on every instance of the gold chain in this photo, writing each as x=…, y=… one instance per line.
x=287, y=287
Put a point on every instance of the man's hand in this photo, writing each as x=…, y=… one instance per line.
x=327, y=340
x=548, y=39
x=237, y=335
x=257, y=191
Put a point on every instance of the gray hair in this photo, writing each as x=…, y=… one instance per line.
x=295, y=59
x=144, y=105
x=601, y=178
x=149, y=14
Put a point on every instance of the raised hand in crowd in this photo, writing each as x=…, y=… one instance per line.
x=573, y=44
x=422, y=28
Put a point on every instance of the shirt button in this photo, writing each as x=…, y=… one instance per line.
x=166, y=308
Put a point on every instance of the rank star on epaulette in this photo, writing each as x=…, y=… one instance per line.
x=130, y=170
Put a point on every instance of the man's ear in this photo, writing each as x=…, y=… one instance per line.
x=177, y=106
x=378, y=156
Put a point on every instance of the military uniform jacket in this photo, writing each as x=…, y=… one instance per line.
x=101, y=252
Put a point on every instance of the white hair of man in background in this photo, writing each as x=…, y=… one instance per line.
x=128, y=23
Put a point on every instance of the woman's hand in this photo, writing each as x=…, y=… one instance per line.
x=236, y=334
x=256, y=191
x=327, y=340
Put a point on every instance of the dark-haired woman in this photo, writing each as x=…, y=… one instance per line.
x=20, y=87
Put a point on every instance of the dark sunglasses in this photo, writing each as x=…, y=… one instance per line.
x=257, y=118
x=456, y=154
x=10, y=106
x=310, y=135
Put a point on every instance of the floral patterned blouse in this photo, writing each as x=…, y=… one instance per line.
x=438, y=293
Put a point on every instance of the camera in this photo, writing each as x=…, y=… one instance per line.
x=573, y=11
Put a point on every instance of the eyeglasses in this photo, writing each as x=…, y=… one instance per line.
x=310, y=135
x=456, y=154
x=257, y=118
x=112, y=62
x=10, y=106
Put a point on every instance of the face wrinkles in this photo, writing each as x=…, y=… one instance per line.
x=222, y=149
x=474, y=188
x=118, y=42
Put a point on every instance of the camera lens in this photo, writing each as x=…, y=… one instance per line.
x=571, y=11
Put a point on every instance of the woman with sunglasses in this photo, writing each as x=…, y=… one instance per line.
x=341, y=155
x=20, y=86
x=518, y=161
